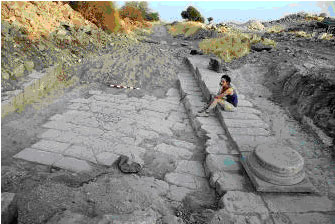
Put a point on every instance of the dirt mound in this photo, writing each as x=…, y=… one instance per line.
x=39, y=19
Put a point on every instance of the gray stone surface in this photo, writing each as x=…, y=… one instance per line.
x=245, y=123
x=73, y=164
x=238, y=116
x=107, y=158
x=217, y=163
x=51, y=146
x=183, y=144
x=177, y=193
x=187, y=180
x=298, y=203
x=38, y=156
x=181, y=153
x=226, y=181
x=190, y=167
x=8, y=208
x=305, y=218
x=80, y=152
x=145, y=216
x=244, y=203
x=248, y=131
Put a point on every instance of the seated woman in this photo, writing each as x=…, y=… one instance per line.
x=226, y=98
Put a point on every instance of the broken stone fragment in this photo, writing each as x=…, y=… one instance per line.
x=8, y=208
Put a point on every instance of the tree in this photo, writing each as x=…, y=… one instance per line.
x=210, y=19
x=143, y=7
x=192, y=14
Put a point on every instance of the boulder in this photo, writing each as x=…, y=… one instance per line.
x=216, y=65
x=260, y=47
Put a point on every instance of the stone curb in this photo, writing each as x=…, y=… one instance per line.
x=210, y=130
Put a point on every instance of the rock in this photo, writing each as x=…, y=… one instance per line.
x=8, y=208
x=127, y=167
x=260, y=47
x=194, y=52
x=216, y=65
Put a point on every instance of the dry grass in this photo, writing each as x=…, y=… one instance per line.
x=275, y=29
x=186, y=28
x=232, y=45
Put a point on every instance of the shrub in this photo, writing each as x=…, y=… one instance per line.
x=192, y=14
x=132, y=13
x=152, y=16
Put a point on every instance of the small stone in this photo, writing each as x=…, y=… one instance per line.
x=8, y=208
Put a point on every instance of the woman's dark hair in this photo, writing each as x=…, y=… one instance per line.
x=226, y=77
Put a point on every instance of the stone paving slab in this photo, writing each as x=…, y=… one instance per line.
x=244, y=203
x=177, y=193
x=80, y=152
x=73, y=164
x=107, y=158
x=248, y=131
x=227, y=181
x=38, y=156
x=187, y=181
x=245, y=123
x=298, y=204
x=173, y=151
x=217, y=163
x=183, y=144
x=306, y=218
x=247, y=143
x=51, y=146
x=190, y=167
x=79, y=129
x=238, y=116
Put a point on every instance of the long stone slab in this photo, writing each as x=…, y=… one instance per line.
x=298, y=203
x=38, y=156
x=248, y=131
x=245, y=123
x=73, y=164
x=51, y=146
x=305, y=218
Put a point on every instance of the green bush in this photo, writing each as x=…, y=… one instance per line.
x=152, y=16
x=192, y=14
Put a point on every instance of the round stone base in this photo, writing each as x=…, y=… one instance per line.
x=281, y=166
